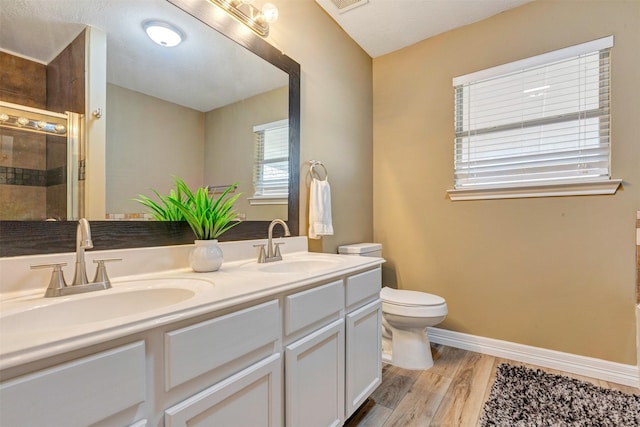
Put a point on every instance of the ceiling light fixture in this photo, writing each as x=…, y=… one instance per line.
x=244, y=11
x=163, y=33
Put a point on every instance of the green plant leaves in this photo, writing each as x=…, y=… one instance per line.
x=208, y=216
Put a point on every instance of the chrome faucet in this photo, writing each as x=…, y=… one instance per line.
x=273, y=250
x=83, y=241
x=58, y=286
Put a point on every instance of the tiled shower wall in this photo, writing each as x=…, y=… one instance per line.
x=33, y=167
x=23, y=191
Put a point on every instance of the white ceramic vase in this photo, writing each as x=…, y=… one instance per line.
x=206, y=256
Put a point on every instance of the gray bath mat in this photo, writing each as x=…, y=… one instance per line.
x=525, y=397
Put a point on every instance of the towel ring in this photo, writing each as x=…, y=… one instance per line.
x=314, y=173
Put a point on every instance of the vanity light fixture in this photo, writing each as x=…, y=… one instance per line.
x=13, y=116
x=163, y=33
x=27, y=124
x=244, y=11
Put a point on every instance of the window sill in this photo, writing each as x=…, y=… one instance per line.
x=256, y=201
x=541, y=190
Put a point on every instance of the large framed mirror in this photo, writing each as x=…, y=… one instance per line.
x=192, y=114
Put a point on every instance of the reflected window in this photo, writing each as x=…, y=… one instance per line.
x=271, y=170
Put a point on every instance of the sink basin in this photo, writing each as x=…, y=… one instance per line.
x=64, y=312
x=299, y=266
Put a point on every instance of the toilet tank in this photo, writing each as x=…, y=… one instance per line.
x=362, y=249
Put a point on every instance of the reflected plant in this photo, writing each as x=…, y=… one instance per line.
x=165, y=210
x=209, y=217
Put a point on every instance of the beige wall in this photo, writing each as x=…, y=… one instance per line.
x=140, y=158
x=336, y=116
x=555, y=273
x=145, y=137
x=229, y=147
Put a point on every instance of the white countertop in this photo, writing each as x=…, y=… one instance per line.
x=237, y=282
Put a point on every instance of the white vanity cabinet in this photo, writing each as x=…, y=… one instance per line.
x=80, y=392
x=252, y=397
x=363, y=338
x=315, y=378
x=314, y=362
x=305, y=355
x=331, y=371
x=242, y=349
x=363, y=358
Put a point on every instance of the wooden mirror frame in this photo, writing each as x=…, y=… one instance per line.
x=43, y=237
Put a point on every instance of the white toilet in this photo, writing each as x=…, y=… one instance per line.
x=405, y=318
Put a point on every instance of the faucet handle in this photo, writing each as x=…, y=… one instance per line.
x=262, y=256
x=277, y=250
x=57, y=282
x=101, y=271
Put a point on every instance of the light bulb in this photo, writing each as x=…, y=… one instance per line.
x=4, y=117
x=270, y=12
x=59, y=128
x=41, y=124
x=163, y=33
x=22, y=121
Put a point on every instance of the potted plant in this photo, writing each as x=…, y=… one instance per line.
x=209, y=217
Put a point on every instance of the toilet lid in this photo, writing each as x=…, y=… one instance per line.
x=409, y=298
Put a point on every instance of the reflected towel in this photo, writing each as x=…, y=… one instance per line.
x=320, y=209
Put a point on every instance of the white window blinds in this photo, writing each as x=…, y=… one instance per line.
x=271, y=173
x=542, y=120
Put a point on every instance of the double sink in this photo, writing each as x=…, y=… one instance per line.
x=34, y=315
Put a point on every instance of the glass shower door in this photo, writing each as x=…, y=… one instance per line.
x=41, y=164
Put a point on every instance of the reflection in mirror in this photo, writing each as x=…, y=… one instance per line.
x=185, y=111
x=198, y=110
x=36, y=149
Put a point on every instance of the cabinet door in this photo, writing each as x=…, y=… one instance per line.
x=314, y=368
x=246, y=336
x=363, y=358
x=252, y=397
x=80, y=392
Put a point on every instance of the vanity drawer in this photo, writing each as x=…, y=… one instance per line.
x=363, y=287
x=247, y=335
x=305, y=308
x=81, y=392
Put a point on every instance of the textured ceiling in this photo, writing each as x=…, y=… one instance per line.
x=382, y=26
x=206, y=71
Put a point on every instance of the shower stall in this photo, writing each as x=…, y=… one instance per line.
x=42, y=162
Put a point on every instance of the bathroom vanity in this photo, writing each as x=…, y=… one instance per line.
x=294, y=342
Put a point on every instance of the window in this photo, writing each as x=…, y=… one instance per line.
x=536, y=127
x=271, y=173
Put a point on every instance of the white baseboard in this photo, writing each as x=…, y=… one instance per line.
x=581, y=365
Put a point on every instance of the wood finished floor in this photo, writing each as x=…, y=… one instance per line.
x=451, y=393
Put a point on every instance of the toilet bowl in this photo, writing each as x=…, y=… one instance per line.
x=405, y=318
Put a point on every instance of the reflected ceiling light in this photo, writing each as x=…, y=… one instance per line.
x=270, y=12
x=163, y=33
x=244, y=11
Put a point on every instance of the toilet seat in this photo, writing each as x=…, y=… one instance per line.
x=412, y=303
x=409, y=298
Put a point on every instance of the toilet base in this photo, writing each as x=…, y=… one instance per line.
x=408, y=349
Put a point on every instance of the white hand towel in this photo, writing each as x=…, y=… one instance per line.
x=320, y=209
